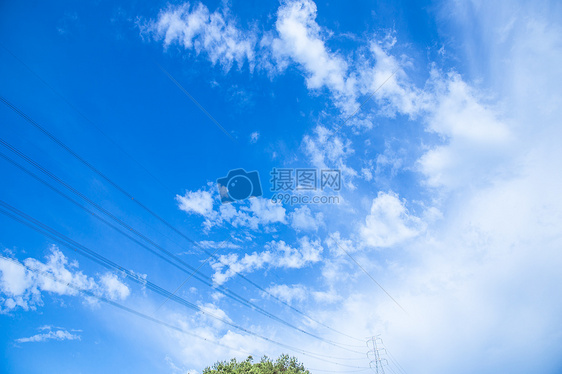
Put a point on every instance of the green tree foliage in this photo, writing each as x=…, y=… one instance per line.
x=283, y=365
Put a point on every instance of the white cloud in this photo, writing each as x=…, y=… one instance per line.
x=15, y=280
x=200, y=202
x=254, y=213
x=210, y=244
x=390, y=160
x=277, y=255
x=299, y=293
x=389, y=222
x=334, y=241
x=23, y=288
x=289, y=257
x=384, y=76
x=210, y=312
x=289, y=293
x=328, y=150
x=182, y=351
x=254, y=137
x=303, y=220
x=59, y=334
x=300, y=40
x=176, y=369
x=326, y=297
x=266, y=211
x=476, y=140
x=194, y=27
x=297, y=39
x=113, y=287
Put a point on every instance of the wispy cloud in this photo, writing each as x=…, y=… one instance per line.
x=195, y=28
x=302, y=219
x=297, y=40
x=210, y=244
x=278, y=254
x=58, y=334
x=254, y=137
x=296, y=293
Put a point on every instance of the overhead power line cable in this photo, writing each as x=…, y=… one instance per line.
x=394, y=360
x=210, y=255
x=48, y=231
x=132, y=198
x=98, y=128
x=140, y=314
x=370, y=276
x=120, y=306
x=205, y=280
x=197, y=103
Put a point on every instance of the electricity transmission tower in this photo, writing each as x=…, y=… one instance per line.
x=376, y=363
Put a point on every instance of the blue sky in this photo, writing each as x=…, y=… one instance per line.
x=442, y=118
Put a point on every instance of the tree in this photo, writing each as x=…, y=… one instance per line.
x=284, y=365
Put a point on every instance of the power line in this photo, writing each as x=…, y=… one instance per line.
x=115, y=143
x=120, y=306
x=82, y=115
x=299, y=312
x=94, y=169
x=197, y=103
x=132, y=198
x=47, y=231
x=369, y=275
x=393, y=359
x=190, y=276
x=145, y=316
x=142, y=315
x=336, y=130
x=166, y=187
x=205, y=280
x=210, y=255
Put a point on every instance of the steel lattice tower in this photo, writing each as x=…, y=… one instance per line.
x=376, y=363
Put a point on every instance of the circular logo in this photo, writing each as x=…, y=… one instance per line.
x=240, y=187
